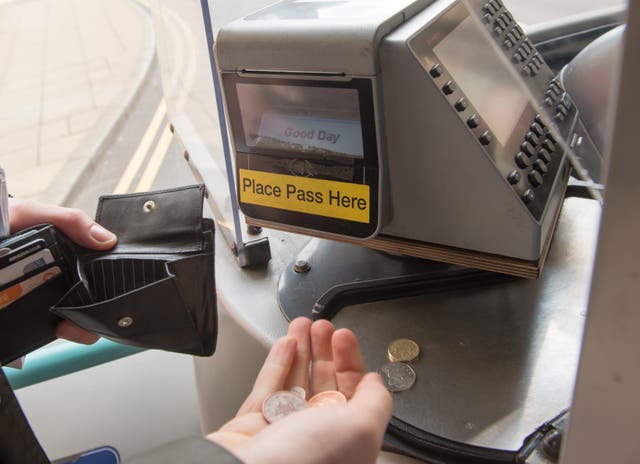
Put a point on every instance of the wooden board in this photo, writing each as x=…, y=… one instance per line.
x=468, y=258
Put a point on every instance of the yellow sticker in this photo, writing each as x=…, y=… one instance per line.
x=340, y=200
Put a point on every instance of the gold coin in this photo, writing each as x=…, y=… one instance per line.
x=403, y=350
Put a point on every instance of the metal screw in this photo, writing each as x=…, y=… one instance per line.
x=254, y=230
x=125, y=321
x=301, y=266
x=149, y=206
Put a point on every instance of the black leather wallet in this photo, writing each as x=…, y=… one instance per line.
x=155, y=289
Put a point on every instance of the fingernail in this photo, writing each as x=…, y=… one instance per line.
x=101, y=234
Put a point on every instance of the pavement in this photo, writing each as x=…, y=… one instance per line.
x=69, y=72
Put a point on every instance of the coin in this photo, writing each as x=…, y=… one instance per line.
x=397, y=376
x=301, y=392
x=403, y=350
x=326, y=397
x=280, y=404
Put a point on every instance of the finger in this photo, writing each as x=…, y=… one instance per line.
x=323, y=372
x=347, y=360
x=372, y=397
x=72, y=332
x=73, y=222
x=299, y=374
x=272, y=375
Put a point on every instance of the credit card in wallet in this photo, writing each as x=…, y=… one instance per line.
x=17, y=291
x=21, y=252
x=26, y=265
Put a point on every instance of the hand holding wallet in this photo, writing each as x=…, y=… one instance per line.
x=155, y=289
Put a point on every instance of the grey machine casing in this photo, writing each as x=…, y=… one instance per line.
x=438, y=183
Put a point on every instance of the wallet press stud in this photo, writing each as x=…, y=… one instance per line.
x=125, y=321
x=149, y=206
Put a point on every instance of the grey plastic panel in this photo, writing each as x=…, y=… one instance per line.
x=343, y=39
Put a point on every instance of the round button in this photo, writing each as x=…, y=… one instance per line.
x=540, y=166
x=535, y=179
x=485, y=138
x=532, y=138
x=473, y=121
x=436, y=70
x=461, y=104
x=513, y=177
x=544, y=155
x=522, y=160
x=528, y=148
x=528, y=196
x=449, y=87
x=549, y=145
x=537, y=129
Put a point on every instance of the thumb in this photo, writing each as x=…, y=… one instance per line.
x=371, y=395
x=73, y=222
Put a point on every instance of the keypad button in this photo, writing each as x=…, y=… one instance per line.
x=461, y=104
x=540, y=166
x=528, y=196
x=517, y=31
x=528, y=148
x=497, y=31
x=549, y=145
x=522, y=160
x=536, y=128
x=473, y=121
x=486, y=18
x=449, y=87
x=507, y=44
x=512, y=37
x=535, y=179
x=490, y=8
x=544, y=155
x=514, y=177
x=436, y=70
x=517, y=57
x=532, y=138
x=485, y=138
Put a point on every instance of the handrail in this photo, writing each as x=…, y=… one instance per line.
x=66, y=358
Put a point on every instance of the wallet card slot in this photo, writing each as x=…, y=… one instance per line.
x=27, y=324
x=32, y=273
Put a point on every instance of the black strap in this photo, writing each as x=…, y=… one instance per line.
x=18, y=444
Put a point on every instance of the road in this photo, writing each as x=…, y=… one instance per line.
x=143, y=156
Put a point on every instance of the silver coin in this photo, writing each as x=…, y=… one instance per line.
x=280, y=404
x=301, y=392
x=397, y=376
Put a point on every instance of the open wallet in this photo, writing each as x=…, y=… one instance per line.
x=155, y=289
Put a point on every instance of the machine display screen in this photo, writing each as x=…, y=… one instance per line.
x=496, y=94
x=300, y=119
